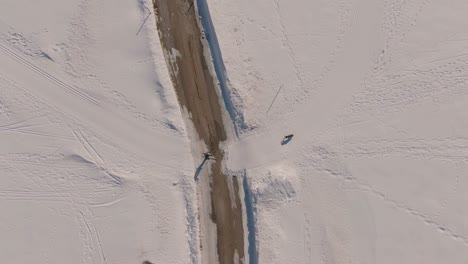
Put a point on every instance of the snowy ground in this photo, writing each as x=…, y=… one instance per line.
x=96, y=167
x=376, y=93
x=94, y=159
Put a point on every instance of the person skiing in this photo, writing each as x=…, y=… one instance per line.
x=208, y=155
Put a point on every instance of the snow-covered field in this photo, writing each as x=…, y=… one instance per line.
x=376, y=94
x=95, y=164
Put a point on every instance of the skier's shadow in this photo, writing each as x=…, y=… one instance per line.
x=199, y=169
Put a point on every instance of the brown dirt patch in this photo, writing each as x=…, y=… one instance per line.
x=196, y=90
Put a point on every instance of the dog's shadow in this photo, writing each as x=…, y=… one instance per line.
x=286, y=140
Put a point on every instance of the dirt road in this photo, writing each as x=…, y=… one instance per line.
x=196, y=91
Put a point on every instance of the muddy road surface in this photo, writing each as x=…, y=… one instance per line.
x=196, y=90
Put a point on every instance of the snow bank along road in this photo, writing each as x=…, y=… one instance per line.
x=197, y=92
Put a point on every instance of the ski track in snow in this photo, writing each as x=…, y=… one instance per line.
x=94, y=155
x=375, y=94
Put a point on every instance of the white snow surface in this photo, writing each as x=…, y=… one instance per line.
x=376, y=94
x=95, y=163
